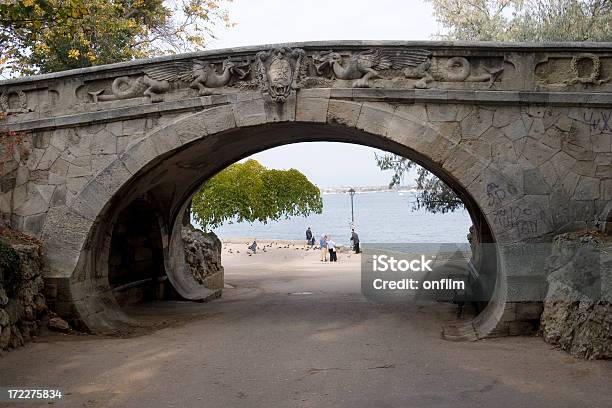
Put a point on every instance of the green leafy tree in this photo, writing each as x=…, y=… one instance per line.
x=501, y=20
x=524, y=20
x=39, y=36
x=250, y=192
x=434, y=195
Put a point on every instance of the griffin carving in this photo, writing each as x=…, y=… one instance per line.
x=363, y=66
x=201, y=75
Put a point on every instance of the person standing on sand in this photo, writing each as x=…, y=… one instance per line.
x=308, y=235
x=355, y=241
x=331, y=247
x=323, y=245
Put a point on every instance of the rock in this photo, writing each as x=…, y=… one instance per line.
x=4, y=318
x=5, y=337
x=40, y=305
x=16, y=339
x=202, y=253
x=577, y=314
x=3, y=297
x=23, y=306
x=28, y=313
x=58, y=324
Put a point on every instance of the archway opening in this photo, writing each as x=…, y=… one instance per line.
x=171, y=179
x=384, y=215
x=136, y=260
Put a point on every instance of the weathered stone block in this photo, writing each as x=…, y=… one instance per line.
x=515, y=130
x=410, y=132
x=521, y=328
x=476, y=123
x=375, y=118
x=311, y=110
x=165, y=140
x=103, y=142
x=587, y=188
x=324, y=93
x=139, y=155
x=218, y=119
x=534, y=182
x=442, y=113
x=250, y=112
x=113, y=177
x=34, y=223
x=343, y=113
x=529, y=310
x=601, y=142
x=465, y=166
x=536, y=152
x=606, y=189
x=78, y=171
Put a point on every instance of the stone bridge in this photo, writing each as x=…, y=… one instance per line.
x=521, y=132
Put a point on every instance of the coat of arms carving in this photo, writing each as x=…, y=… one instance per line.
x=279, y=71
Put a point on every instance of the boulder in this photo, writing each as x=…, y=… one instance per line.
x=203, y=256
x=22, y=303
x=58, y=324
x=577, y=314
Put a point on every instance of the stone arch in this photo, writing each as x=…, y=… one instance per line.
x=192, y=148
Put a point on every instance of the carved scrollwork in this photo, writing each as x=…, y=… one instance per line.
x=459, y=69
x=5, y=104
x=279, y=71
x=593, y=77
x=200, y=75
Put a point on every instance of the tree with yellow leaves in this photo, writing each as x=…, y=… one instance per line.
x=39, y=36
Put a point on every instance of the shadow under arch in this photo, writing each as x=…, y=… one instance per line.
x=174, y=176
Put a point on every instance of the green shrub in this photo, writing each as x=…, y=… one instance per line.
x=10, y=268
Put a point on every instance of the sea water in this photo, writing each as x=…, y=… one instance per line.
x=380, y=217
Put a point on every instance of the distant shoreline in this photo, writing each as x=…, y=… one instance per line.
x=368, y=189
x=248, y=240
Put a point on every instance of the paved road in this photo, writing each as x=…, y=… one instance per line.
x=304, y=339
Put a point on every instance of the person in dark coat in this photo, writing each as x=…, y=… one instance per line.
x=308, y=235
x=355, y=241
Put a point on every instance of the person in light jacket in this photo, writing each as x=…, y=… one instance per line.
x=331, y=247
x=323, y=245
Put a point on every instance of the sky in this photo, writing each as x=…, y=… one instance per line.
x=280, y=21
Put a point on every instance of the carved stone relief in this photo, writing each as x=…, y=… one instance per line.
x=459, y=69
x=582, y=70
x=365, y=65
x=279, y=71
x=414, y=64
x=200, y=75
x=588, y=73
x=13, y=102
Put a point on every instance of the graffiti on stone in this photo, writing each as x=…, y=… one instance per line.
x=599, y=122
x=515, y=217
x=495, y=194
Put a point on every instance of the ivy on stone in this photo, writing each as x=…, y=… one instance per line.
x=10, y=268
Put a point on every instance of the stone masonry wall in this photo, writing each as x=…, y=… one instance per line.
x=22, y=304
x=577, y=313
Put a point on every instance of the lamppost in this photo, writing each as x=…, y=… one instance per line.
x=352, y=194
